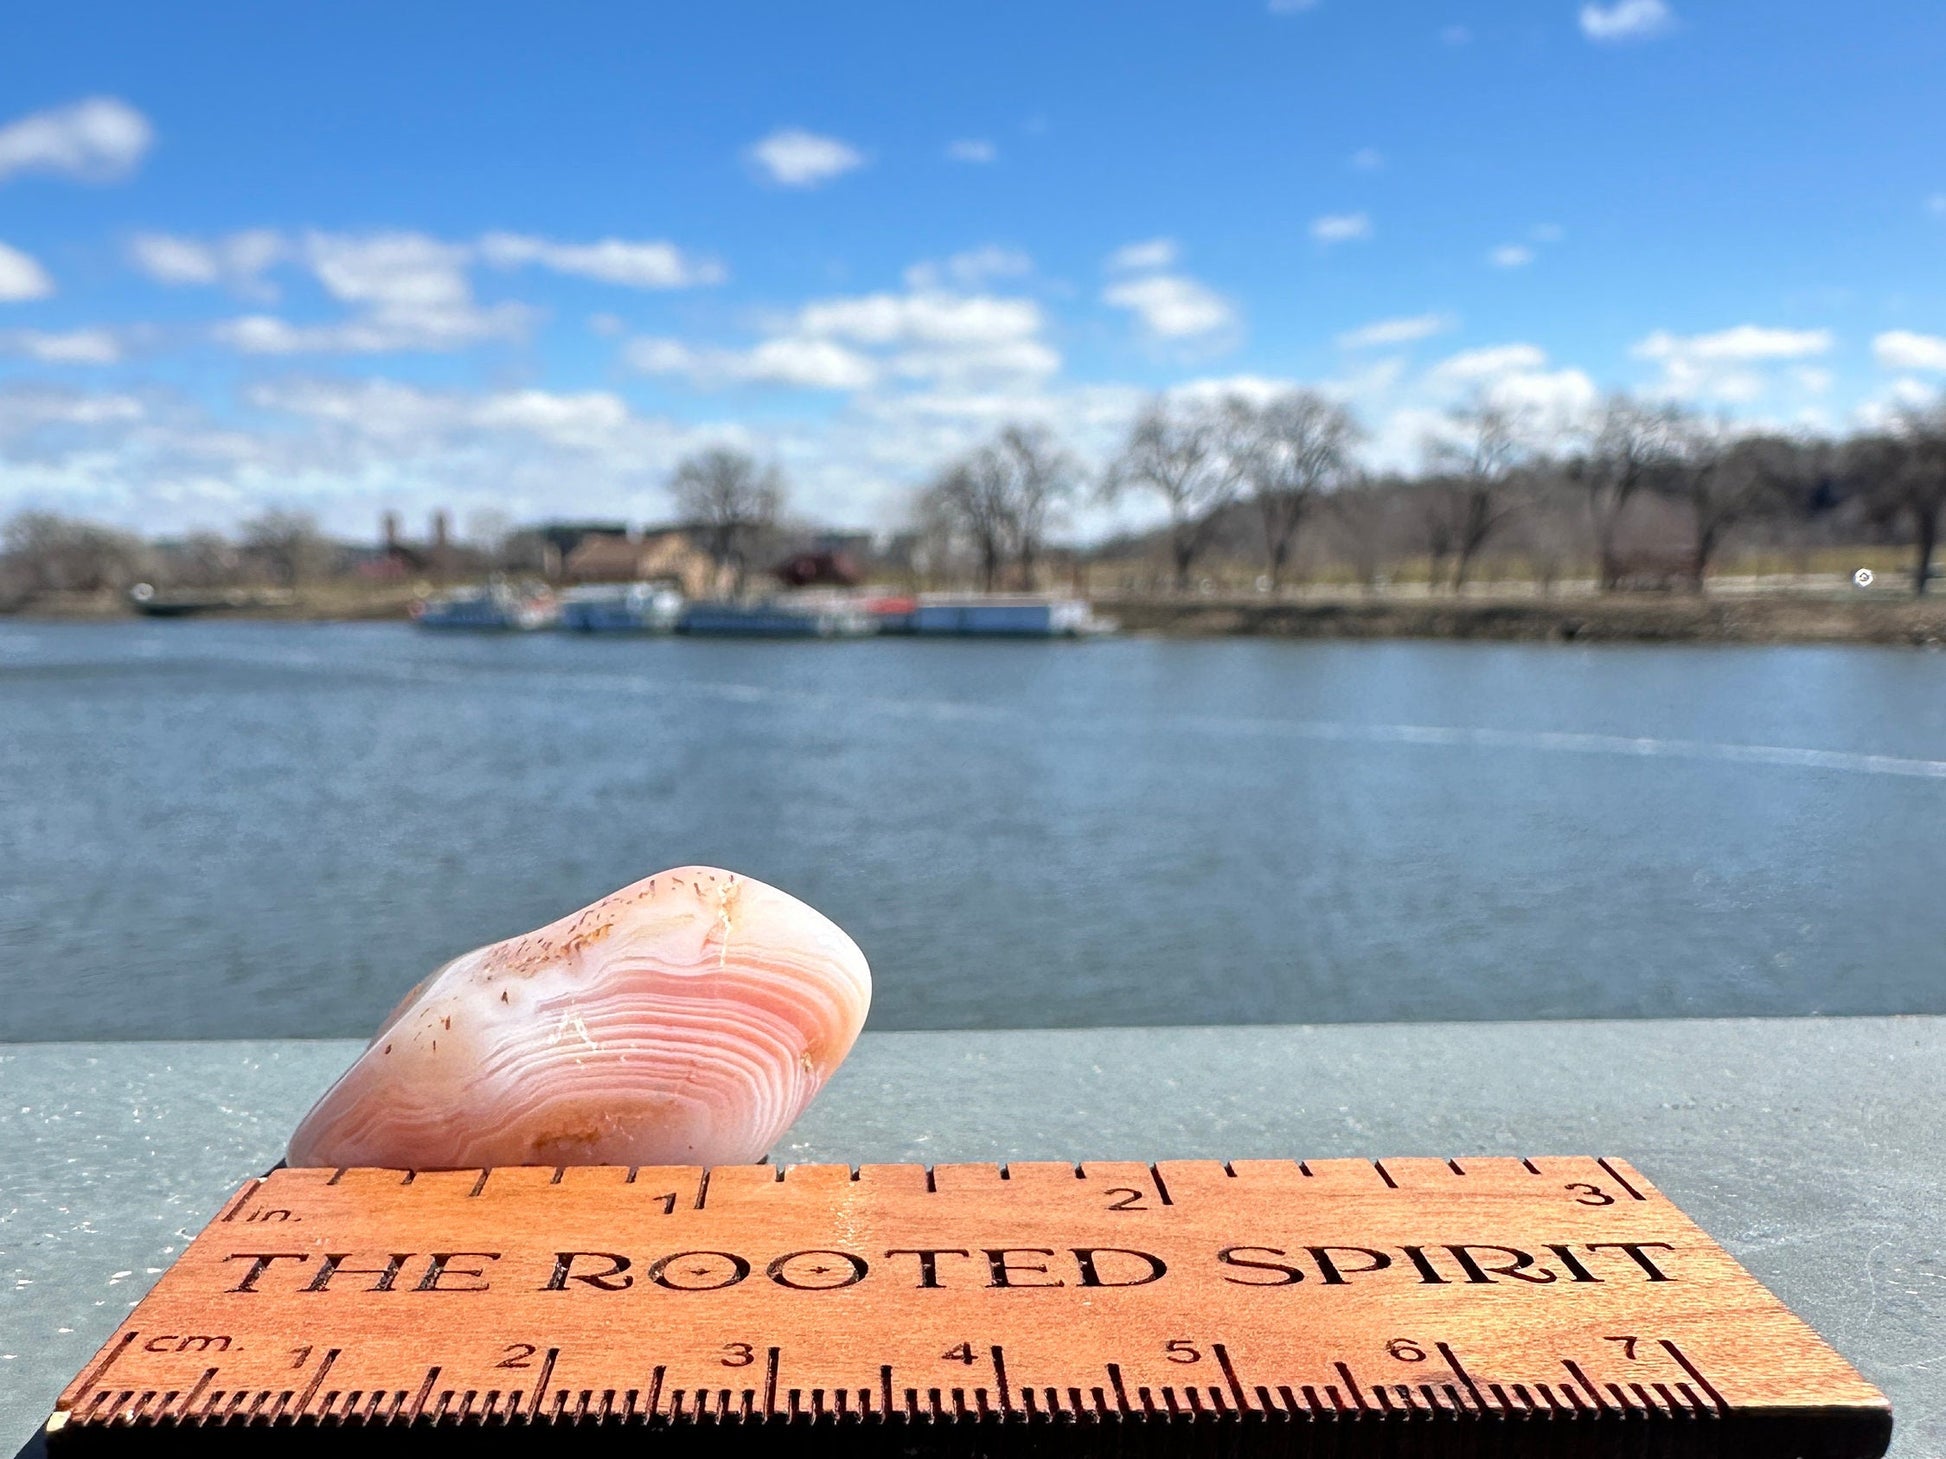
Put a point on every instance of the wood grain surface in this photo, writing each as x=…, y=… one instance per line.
x=1475, y=1306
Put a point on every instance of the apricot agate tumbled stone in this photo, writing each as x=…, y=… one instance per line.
x=684, y=1020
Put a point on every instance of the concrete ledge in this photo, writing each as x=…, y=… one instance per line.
x=1812, y=1148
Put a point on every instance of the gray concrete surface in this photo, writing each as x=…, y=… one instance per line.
x=1814, y=1149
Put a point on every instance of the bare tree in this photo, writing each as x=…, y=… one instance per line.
x=732, y=500
x=1290, y=451
x=1361, y=509
x=1436, y=501
x=1473, y=496
x=968, y=502
x=1627, y=443
x=289, y=545
x=1039, y=478
x=1178, y=453
x=1903, y=474
x=1722, y=479
x=48, y=552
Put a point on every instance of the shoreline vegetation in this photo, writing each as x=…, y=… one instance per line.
x=1750, y=611
x=1638, y=522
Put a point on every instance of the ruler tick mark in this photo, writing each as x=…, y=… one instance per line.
x=540, y=1384
x=425, y=1392
x=317, y=1380
x=1161, y=1186
x=243, y=1199
x=1620, y=1179
x=1230, y=1375
x=1693, y=1371
x=94, y=1375
x=1385, y=1175
x=702, y=1189
x=480, y=1184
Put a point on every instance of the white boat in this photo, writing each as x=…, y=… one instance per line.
x=488, y=607
x=620, y=608
x=777, y=618
x=997, y=615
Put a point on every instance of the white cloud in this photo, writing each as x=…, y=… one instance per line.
x=1150, y=253
x=1902, y=349
x=856, y=342
x=22, y=277
x=1744, y=342
x=74, y=347
x=238, y=261
x=1518, y=376
x=25, y=409
x=921, y=318
x=1172, y=306
x=1402, y=330
x=1290, y=7
x=407, y=291
x=1368, y=159
x=1341, y=227
x=100, y=139
x=793, y=157
x=646, y=264
x=1511, y=255
x=1813, y=380
x=406, y=271
x=1473, y=366
x=976, y=150
x=1730, y=365
x=971, y=268
x=1456, y=35
x=815, y=364
x=608, y=326
x=1556, y=397
x=1626, y=20
x=1936, y=205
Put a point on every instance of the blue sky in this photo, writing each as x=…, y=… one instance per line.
x=361, y=256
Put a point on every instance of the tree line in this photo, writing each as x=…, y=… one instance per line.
x=1291, y=462
x=1237, y=478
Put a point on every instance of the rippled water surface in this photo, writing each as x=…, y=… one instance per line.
x=213, y=829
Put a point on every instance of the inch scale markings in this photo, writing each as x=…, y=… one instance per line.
x=1250, y=1306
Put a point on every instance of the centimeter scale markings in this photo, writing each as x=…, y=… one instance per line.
x=1481, y=1306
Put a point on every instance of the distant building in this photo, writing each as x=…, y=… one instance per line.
x=668, y=554
x=818, y=570
x=395, y=559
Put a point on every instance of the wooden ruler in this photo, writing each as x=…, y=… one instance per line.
x=1478, y=1306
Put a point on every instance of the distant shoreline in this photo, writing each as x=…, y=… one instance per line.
x=1777, y=617
x=1772, y=618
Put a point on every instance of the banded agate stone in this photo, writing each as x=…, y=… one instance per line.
x=685, y=1020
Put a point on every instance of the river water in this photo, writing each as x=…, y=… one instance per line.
x=214, y=830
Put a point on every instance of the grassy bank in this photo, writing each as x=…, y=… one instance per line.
x=1774, y=618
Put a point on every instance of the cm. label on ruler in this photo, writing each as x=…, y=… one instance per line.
x=1497, y=1293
